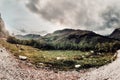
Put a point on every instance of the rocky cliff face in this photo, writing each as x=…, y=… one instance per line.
x=3, y=31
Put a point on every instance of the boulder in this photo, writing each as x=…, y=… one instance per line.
x=22, y=57
x=77, y=66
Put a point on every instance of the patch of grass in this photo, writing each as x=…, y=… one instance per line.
x=69, y=58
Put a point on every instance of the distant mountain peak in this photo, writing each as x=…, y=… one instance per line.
x=115, y=34
x=67, y=30
x=64, y=30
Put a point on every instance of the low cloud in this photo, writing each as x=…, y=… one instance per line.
x=24, y=31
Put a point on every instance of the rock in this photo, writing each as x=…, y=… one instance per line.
x=19, y=51
x=91, y=51
x=17, y=45
x=29, y=64
x=40, y=65
x=77, y=66
x=22, y=57
x=99, y=53
x=60, y=58
x=83, y=56
x=1, y=50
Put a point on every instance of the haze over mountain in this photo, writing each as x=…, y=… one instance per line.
x=28, y=36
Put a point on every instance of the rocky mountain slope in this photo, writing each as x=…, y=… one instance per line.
x=3, y=31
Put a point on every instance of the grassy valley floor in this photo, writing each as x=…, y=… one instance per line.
x=59, y=59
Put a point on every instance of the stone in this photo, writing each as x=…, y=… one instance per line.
x=22, y=57
x=77, y=66
x=60, y=58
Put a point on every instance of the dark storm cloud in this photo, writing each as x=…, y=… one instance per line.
x=32, y=6
x=62, y=11
x=78, y=13
x=24, y=31
x=111, y=17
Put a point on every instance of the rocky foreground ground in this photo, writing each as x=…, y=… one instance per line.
x=13, y=69
x=107, y=72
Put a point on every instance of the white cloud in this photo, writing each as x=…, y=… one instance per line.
x=16, y=16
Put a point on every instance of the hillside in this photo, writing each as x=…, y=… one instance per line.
x=77, y=39
x=71, y=39
x=28, y=36
x=3, y=31
x=115, y=34
x=76, y=36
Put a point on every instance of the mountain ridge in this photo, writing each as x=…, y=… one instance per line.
x=70, y=39
x=115, y=34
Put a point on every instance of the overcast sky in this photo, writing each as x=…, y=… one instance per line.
x=44, y=16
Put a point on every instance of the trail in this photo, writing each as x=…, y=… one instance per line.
x=107, y=72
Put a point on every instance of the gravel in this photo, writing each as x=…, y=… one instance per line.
x=107, y=72
x=14, y=69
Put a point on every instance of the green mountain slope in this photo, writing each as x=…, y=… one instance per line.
x=70, y=39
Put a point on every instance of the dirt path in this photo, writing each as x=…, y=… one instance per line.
x=11, y=69
x=107, y=72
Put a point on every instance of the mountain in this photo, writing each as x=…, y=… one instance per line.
x=70, y=39
x=3, y=31
x=115, y=34
x=76, y=36
x=78, y=40
x=60, y=34
x=28, y=36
